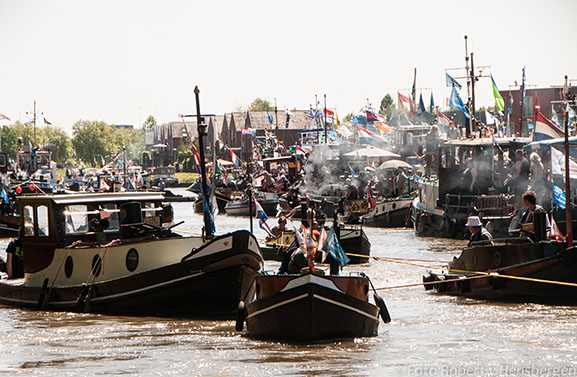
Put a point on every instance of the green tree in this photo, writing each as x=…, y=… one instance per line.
x=132, y=139
x=260, y=104
x=57, y=141
x=149, y=123
x=348, y=117
x=387, y=107
x=93, y=138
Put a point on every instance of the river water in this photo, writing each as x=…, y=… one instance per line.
x=430, y=335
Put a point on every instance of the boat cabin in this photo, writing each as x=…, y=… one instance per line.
x=62, y=221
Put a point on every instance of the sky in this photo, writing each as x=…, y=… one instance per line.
x=120, y=61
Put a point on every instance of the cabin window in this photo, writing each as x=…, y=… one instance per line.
x=110, y=212
x=151, y=214
x=76, y=219
x=43, y=221
x=28, y=221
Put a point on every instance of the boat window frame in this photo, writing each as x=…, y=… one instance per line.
x=34, y=221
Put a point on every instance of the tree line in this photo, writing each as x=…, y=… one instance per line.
x=89, y=141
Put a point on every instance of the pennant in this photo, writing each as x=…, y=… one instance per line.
x=329, y=112
x=3, y=117
x=457, y=103
x=352, y=171
x=422, y=108
x=402, y=99
x=4, y=196
x=546, y=129
x=47, y=122
x=451, y=81
x=499, y=101
x=431, y=104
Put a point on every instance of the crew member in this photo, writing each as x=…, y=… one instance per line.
x=279, y=229
x=15, y=259
x=529, y=199
x=478, y=232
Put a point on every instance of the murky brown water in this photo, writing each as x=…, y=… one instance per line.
x=430, y=335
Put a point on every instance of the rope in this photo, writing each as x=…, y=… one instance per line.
x=482, y=273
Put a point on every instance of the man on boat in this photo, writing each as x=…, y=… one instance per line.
x=431, y=149
x=352, y=190
x=478, y=232
x=15, y=259
x=279, y=229
x=530, y=203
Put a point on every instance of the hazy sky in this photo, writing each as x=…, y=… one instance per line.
x=120, y=61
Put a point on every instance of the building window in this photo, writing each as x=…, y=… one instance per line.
x=528, y=107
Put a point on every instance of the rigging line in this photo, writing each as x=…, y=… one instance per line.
x=483, y=273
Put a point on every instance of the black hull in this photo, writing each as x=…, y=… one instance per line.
x=311, y=313
x=359, y=245
x=244, y=211
x=205, y=287
x=561, y=267
x=393, y=219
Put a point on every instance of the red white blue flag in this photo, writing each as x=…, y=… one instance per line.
x=262, y=217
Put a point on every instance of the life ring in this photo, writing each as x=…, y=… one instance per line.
x=497, y=259
x=240, y=316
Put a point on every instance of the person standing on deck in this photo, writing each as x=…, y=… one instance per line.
x=431, y=149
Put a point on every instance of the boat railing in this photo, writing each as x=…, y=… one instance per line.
x=506, y=241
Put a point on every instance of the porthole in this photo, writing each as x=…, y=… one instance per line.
x=132, y=259
x=96, y=265
x=394, y=205
x=68, y=267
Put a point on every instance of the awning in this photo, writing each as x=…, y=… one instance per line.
x=394, y=164
x=372, y=152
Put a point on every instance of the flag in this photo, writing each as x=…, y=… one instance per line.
x=422, y=108
x=499, y=101
x=558, y=164
x=4, y=196
x=248, y=131
x=335, y=250
x=288, y=117
x=329, y=112
x=234, y=158
x=457, y=103
x=371, y=117
x=555, y=232
x=370, y=197
x=369, y=137
x=360, y=119
x=321, y=241
x=262, y=217
x=270, y=118
x=546, y=129
x=431, y=103
x=3, y=117
x=353, y=174
x=451, y=81
x=196, y=159
x=443, y=116
x=523, y=87
x=299, y=151
x=47, y=122
x=559, y=197
x=402, y=99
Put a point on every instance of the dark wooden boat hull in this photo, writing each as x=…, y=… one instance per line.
x=311, y=312
x=560, y=267
x=242, y=209
x=209, y=286
x=397, y=217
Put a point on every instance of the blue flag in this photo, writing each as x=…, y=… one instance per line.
x=422, y=108
x=451, y=81
x=559, y=197
x=270, y=118
x=4, y=196
x=335, y=250
x=457, y=103
x=432, y=104
x=352, y=172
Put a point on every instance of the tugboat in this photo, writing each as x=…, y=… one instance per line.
x=441, y=208
x=312, y=306
x=389, y=213
x=514, y=270
x=116, y=253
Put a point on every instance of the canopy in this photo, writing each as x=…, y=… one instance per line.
x=371, y=152
x=394, y=164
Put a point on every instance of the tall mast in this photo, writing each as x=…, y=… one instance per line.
x=201, y=130
x=519, y=129
x=325, y=105
x=34, y=125
x=472, y=108
x=276, y=118
x=568, y=220
x=470, y=125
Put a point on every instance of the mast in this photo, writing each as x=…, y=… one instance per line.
x=520, y=128
x=568, y=220
x=276, y=119
x=472, y=108
x=469, y=127
x=34, y=125
x=325, y=104
x=201, y=132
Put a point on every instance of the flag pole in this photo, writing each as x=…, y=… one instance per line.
x=469, y=127
x=325, y=104
x=568, y=220
x=201, y=132
x=472, y=109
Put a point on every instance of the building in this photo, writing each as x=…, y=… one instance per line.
x=549, y=101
